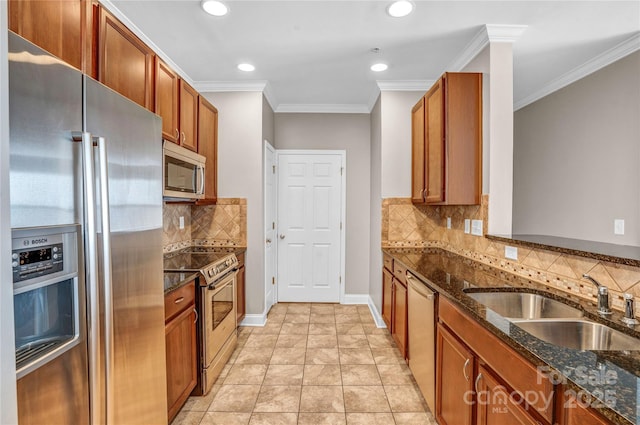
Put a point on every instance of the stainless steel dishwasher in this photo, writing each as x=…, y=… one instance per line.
x=422, y=340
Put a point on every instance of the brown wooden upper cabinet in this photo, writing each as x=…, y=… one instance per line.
x=188, y=116
x=124, y=62
x=167, y=95
x=61, y=27
x=208, y=147
x=446, y=140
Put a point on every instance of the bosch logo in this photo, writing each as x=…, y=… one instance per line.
x=39, y=241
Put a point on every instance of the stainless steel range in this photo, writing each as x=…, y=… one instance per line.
x=217, y=336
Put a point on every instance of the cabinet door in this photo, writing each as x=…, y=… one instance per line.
x=418, y=152
x=208, y=147
x=167, y=100
x=454, y=384
x=58, y=26
x=240, y=295
x=435, y=173
x=400, y=316
x=387, y=298
x=578, y=414
x=125, y=63
x=188, y=116
x=495, y=406
x=180, y=334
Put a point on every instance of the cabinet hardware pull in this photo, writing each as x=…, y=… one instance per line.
x=464, y=369
x=196, y=312
x=178, y=300
x=177, y=134
x=478, y=378
x=184, y=138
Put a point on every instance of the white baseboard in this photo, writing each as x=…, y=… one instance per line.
x=355, y=299
x=254, y=320
x=377, y=317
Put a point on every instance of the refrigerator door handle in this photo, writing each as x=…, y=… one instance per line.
x=91, y=264
x=107, y=271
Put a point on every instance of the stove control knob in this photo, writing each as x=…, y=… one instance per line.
x=210, y=272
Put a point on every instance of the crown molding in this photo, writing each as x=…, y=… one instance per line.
x=404, y=85
x=107, y=4
x=221, y=86
x=630, y=45
x=322, y=108
x=488, y=33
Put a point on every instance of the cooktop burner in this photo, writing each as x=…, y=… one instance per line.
x=213, y=263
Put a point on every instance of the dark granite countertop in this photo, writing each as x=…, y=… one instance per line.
x=621, y=254
x=610, y=379
x=175, y=280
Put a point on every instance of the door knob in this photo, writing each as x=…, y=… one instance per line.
x=268, y=240
x=282, y=236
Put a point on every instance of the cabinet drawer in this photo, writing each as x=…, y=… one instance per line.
x=387, y=261
x=400, y=272
x=512, y=368
x=177, y=301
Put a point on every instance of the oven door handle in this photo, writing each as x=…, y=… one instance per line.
x=214, y=285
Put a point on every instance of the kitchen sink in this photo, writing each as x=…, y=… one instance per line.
x=524, y=305
x=579, y=334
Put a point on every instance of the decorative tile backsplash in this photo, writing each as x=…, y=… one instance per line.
x=223, y=224
x=407, y=225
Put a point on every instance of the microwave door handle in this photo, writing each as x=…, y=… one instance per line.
x=201, y=190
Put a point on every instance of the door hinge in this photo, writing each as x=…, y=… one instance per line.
x=341, y=170
x=340, y=279
x=273, y=225
x=273, y=280
x=340, y=225
x=274, y=169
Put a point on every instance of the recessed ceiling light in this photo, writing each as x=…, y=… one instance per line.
x=214, y=7
x=379, y=67
x=246, y=67
x=400, y=8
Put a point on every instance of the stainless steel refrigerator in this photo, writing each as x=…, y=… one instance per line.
x=86, y=217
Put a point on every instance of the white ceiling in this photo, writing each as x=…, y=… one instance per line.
x=317, y=54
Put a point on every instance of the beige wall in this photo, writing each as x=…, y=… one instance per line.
x=577, y=158
x=348, y=132
x=395, y=118
x=375, y=255
x=240, y=131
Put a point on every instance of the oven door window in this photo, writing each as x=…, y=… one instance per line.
x=222, y=305
x=46, y=322
x=179, y=175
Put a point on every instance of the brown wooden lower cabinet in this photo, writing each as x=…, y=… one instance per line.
x=480, y=380
x=399, y=318
x=454, y=385
x=387, y=297
x=180, y=340
x=576, y=413
x=240, y=295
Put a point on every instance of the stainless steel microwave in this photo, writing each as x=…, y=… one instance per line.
x=183, y=172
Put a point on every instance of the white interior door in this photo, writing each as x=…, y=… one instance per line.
x=309, y=226
x=270, y=232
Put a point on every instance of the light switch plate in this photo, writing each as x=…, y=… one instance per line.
x=511, y=252
x=448, y=222
x=181, y=222
x=476, y=227
x=618, y=226
x=467, y=225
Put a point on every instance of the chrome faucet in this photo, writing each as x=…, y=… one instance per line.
x=603, y=296
x=629, y=314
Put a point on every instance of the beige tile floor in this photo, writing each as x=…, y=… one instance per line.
x=312, y=364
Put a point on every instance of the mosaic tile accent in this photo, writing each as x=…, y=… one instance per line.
x=407, y=225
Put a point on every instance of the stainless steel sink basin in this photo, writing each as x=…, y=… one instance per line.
x=523, y=305
x=579, y=334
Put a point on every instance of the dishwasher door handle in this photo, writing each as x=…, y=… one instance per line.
x=419, y=287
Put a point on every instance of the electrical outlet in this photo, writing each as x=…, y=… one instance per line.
x=511, y=252
x=448, y=222
x=476, y=227
x=618, y=226
x=181, y=222
x=467, y=225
